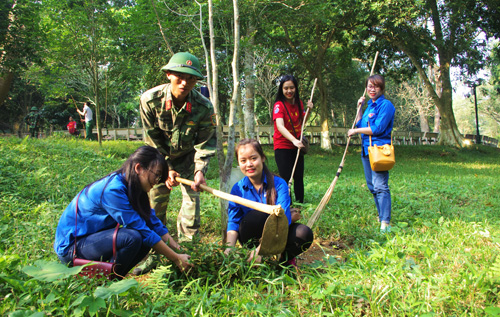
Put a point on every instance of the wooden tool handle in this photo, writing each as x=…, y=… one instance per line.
x=270, y=209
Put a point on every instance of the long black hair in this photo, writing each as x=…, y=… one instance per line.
x=271, y=189
x=149, y=158
x=281, y=97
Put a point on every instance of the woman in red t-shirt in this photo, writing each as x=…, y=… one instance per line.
x=72, y=126
x=288, y=114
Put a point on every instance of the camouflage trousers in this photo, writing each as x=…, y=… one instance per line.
x=188, y=219
x=34, y=132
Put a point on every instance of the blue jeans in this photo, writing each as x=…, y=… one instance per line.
x=378, y=184
x=99, y=247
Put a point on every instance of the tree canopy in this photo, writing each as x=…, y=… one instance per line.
x=109, y=52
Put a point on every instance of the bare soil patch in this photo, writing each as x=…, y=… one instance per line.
x=320, y=249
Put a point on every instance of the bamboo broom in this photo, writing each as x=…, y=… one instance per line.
x=329, y=192
x=301, y=134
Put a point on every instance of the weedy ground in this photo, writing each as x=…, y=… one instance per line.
x=441, y=258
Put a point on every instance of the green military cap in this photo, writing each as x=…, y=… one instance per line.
x=184, y=63
x=34, y=109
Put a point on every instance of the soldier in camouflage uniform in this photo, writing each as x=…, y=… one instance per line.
x=180, y=123
x=33, y=122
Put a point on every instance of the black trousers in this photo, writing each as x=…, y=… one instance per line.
x=285, y=158
x=300, y=237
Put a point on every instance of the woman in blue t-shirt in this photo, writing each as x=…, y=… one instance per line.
x=376, y=121
x=119, y=198
x=260, y=185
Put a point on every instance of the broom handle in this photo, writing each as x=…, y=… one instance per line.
x=301, y=133
x=360, y=105
x=329, y=192
x=269, y=209
x=76, y=106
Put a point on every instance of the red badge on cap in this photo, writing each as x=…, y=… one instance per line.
x=188, y=62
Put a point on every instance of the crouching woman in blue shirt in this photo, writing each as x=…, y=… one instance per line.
x=259, y=184
x=119, y=198
x=377, y=121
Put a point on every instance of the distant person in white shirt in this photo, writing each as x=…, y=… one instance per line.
x=89, y=123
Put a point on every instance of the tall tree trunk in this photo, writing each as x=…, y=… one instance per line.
x=97, y=103
x=240, y=114
x=6, y=75
x=249, y=106
x=439, y=90
x=225, y=162
x=323, y=115
x=94, y=65
x=449, y=133
x=207, y=53
x=95, y=70
x=214, y=93
x=226, y=171
x=424, y=123
x=437, y=120
x=5, y=83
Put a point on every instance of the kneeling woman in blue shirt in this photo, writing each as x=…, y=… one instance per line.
x=260, y=185
x=119, y=198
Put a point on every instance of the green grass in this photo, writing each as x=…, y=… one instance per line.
x=441, y=258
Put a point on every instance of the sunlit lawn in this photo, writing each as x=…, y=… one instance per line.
x=440, y=258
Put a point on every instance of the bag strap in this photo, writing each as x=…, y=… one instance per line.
x=113, y=259
x=291, y=121
x=371, y=136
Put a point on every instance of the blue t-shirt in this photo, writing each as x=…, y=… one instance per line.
x=381, y=116
x=245, y=189
x=101, y=207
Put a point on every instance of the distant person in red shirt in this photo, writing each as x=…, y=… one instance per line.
x=288, y=114
x=72, y=127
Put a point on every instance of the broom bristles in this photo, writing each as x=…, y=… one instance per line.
x=328, y=194
x=322, y=203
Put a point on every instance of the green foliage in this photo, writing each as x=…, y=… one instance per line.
x=441, y=257
x=110, y=52
x=50, y=271
x=212, y=267
x=20, y=34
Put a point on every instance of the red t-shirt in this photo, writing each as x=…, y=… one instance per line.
x=280, y=142
x=71, y=127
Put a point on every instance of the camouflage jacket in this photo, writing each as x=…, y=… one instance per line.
x=176, y=133
x=32, y=120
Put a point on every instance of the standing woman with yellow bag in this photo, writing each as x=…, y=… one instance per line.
x=376, y=121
